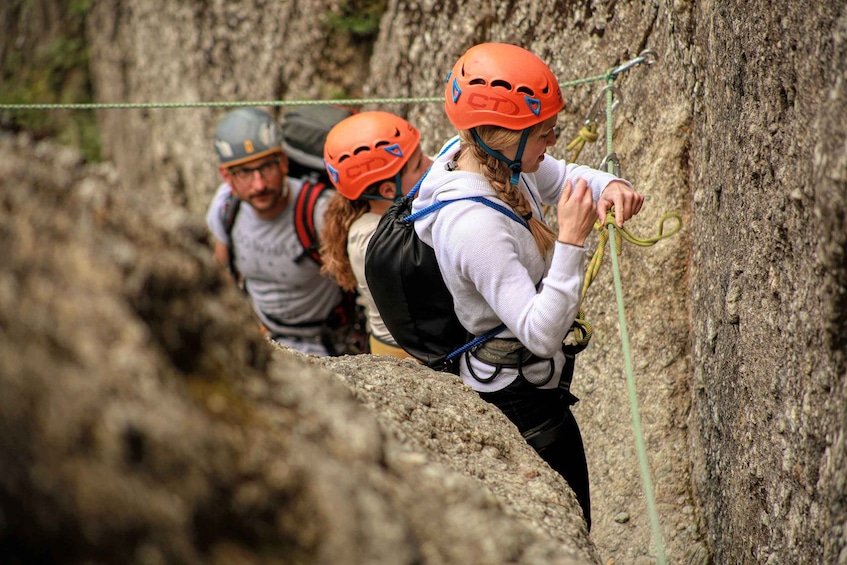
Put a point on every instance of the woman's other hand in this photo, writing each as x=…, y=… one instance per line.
x=576, y=213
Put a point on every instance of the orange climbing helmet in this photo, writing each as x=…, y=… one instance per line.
x=499, y=84
x=366, y=148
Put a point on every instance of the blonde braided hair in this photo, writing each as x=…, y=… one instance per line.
x=497, y=173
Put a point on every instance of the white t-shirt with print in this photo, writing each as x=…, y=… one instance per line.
x=290, y=297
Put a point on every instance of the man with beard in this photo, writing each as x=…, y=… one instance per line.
x=260, y=243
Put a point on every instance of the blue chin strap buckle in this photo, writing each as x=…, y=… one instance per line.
x=514, y=165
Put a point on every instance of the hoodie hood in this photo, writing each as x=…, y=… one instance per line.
x=441, y=184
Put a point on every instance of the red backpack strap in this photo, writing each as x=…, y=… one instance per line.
x=304, y=220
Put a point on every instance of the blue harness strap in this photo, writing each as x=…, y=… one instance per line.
x=480, y=339
x=481, y=199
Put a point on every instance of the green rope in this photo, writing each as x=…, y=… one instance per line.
x=340, y=102
x=643, y=464
x=609, y=124
x=641, y=449
x=646, y=57
x=581, y=81
x=149, y=105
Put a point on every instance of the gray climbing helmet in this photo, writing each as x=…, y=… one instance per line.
x=246, y=134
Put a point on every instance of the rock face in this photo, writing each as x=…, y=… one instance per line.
x=191, y=52
x=768, y=272
x=145, y=420
x=737, y=324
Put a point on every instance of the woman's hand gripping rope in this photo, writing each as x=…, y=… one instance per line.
x=618, y=196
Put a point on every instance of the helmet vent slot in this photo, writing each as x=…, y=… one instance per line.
x=501, y=84
x=477, y=81
x=526, y=90
x=361, y=149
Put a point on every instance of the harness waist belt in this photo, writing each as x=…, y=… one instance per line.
x=282, y=324
x=297, y=338
x=506, y=353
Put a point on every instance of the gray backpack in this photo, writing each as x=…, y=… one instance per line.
x=304, y=131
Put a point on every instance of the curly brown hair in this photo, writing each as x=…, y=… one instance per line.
x=340, y=215
x=497, y=173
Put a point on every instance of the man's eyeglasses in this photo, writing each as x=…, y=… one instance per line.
x=267, y=169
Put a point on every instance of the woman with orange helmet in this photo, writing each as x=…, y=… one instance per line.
x=373, y=159
x=514, y=269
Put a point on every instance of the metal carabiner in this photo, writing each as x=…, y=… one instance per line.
x=647, y=57
x=598, y=107
x=616, y=164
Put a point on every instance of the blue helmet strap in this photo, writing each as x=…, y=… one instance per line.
x=375, y=197
x=398, y=195
x=398, y=182
x=514, y=165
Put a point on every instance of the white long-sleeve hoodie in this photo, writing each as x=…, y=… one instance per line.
x=491, y=264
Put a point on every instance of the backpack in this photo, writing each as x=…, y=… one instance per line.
x=304, y=131
x=409, y=291
x=345, y=330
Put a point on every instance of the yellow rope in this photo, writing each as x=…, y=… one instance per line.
x=582, y=329
x=587, y=134
x=625, y=234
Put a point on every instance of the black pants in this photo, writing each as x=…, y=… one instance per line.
x=545, y=414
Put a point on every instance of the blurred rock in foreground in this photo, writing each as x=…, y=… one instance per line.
x=143, y=419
